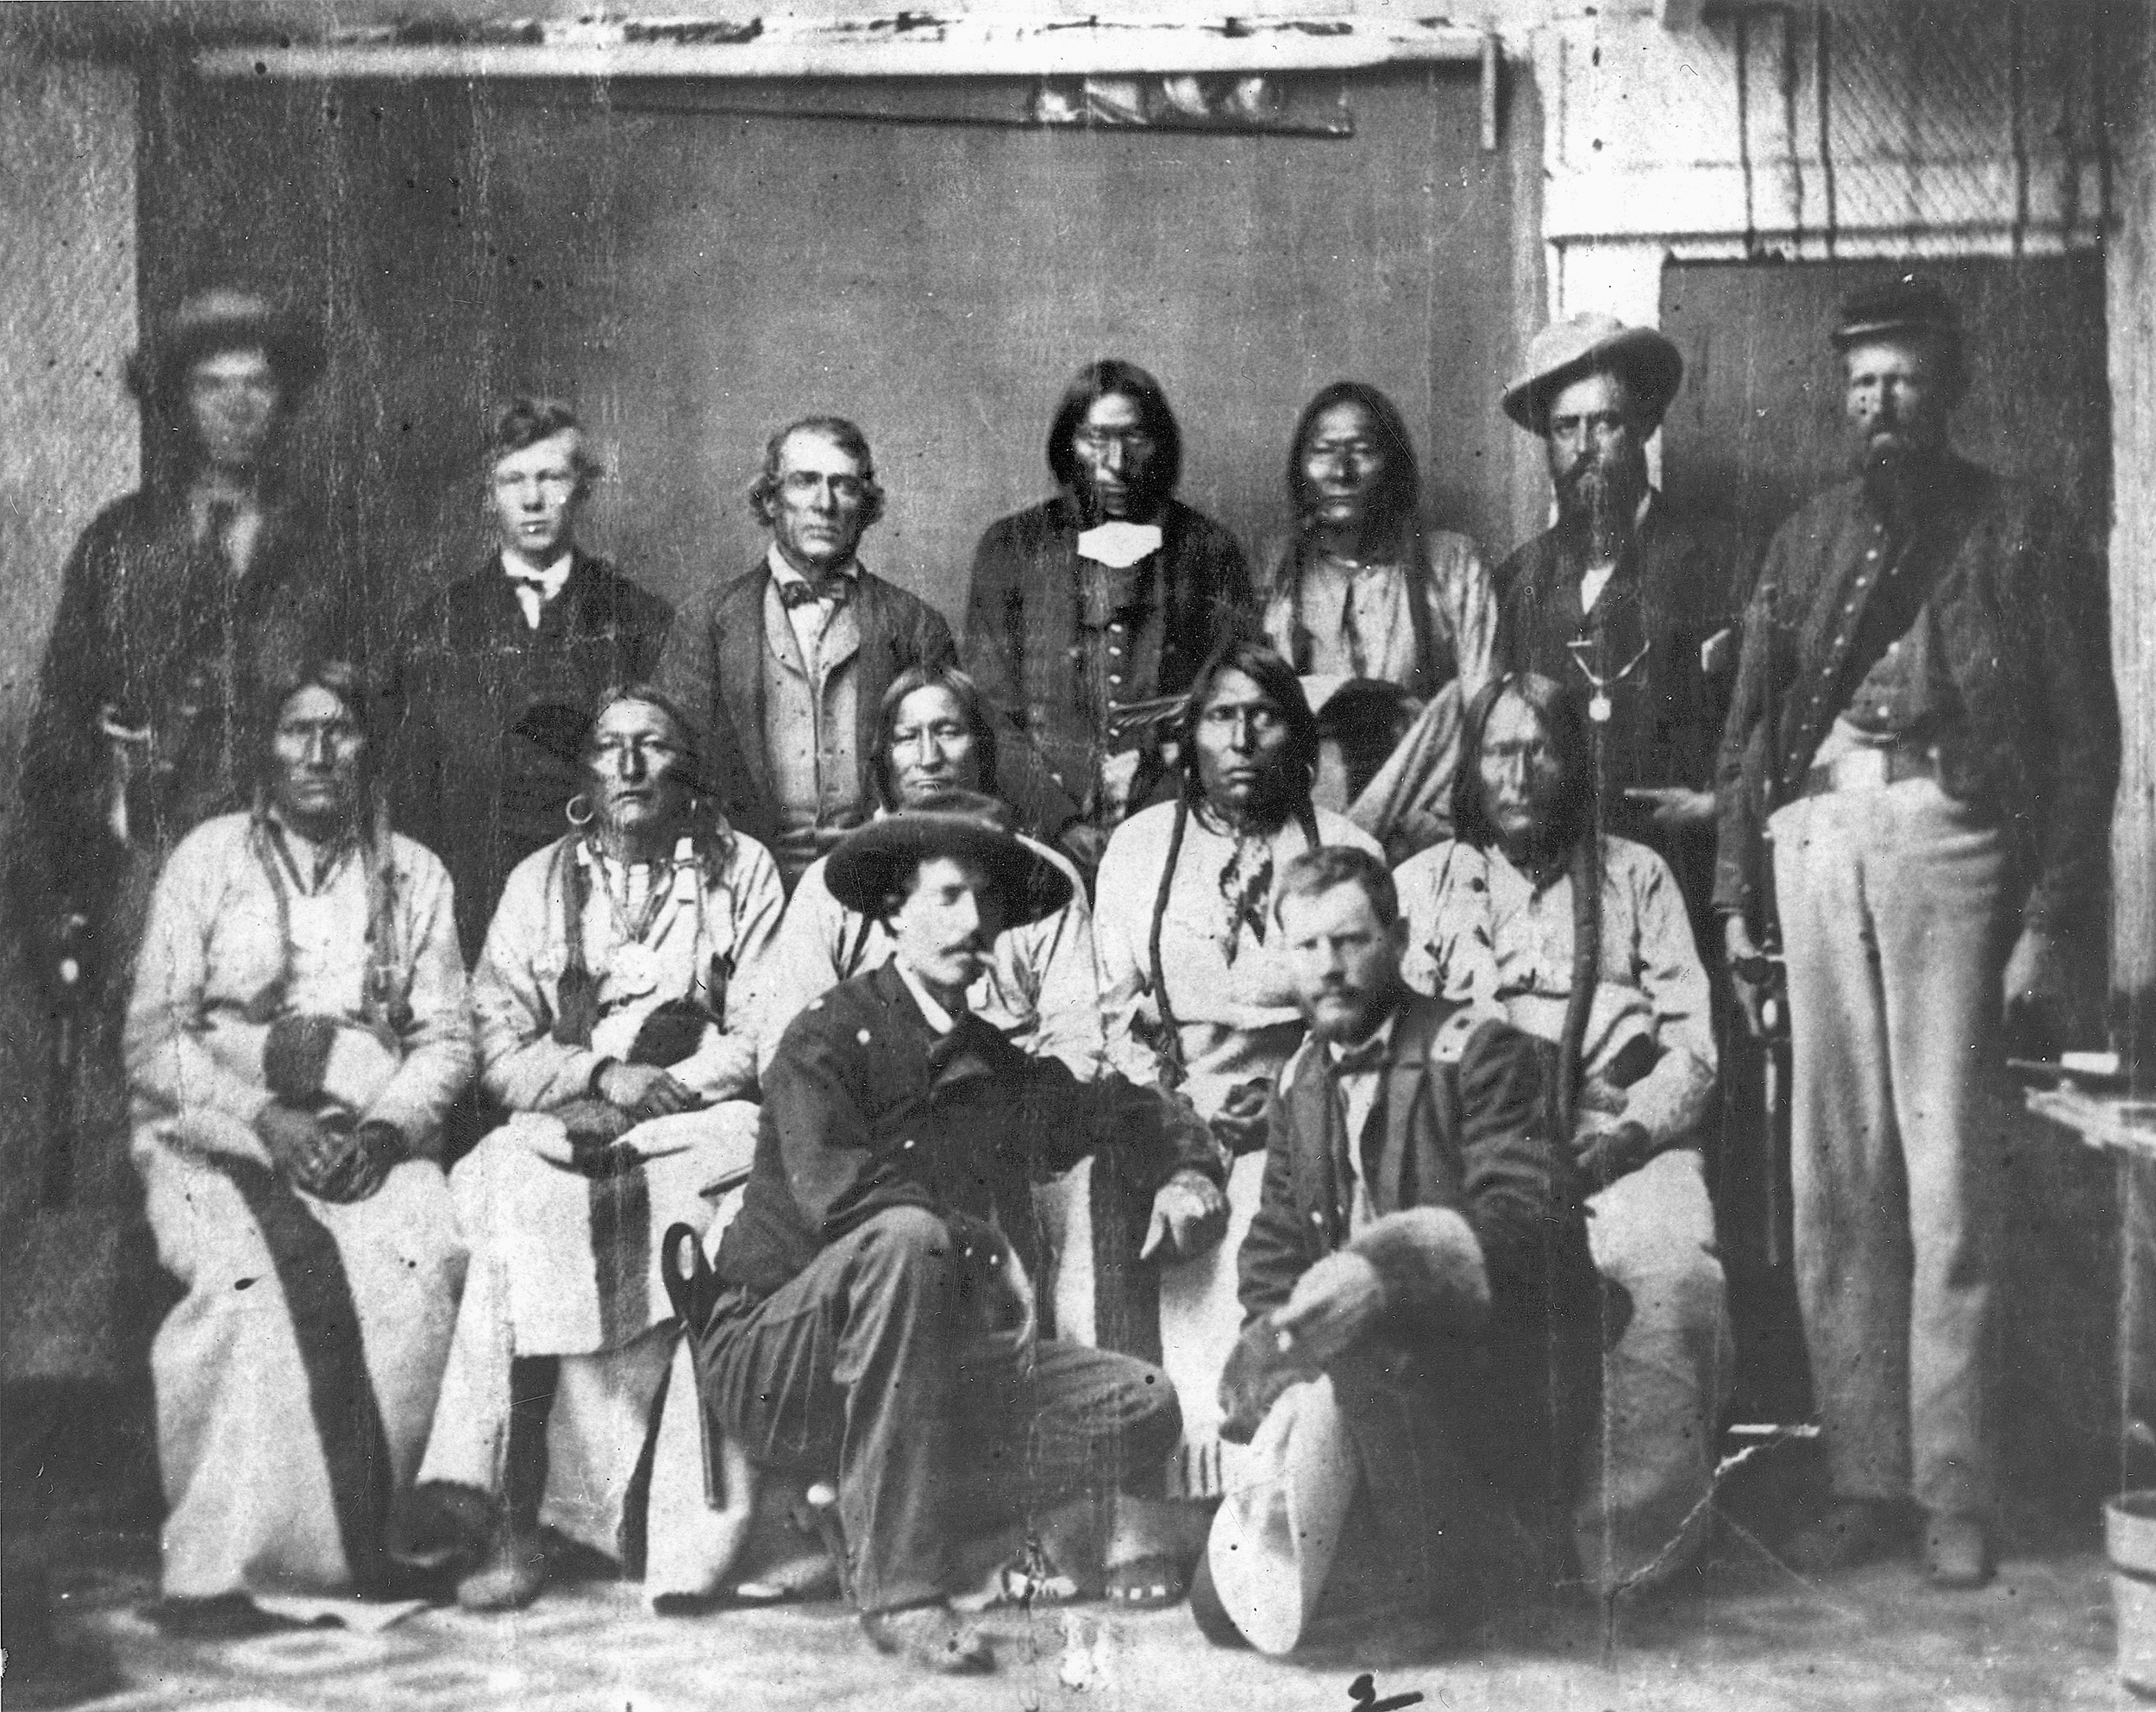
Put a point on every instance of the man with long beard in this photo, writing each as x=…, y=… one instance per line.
x=1625, y=599
x=1924, y=729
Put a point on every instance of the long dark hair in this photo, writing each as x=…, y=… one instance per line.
x=1574, y=831
x=1396, y=507
x=1105, y=379
x=1254, y=658
x=966, y=693
x=1276, y=678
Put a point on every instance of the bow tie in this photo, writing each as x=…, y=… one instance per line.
x=833, y=588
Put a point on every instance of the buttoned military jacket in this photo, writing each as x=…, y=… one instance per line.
x=1024, y=645
x=866, y=1108
x=2021, y=618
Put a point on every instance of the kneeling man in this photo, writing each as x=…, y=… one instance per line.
x=1420, y=1346
x=867, y=1317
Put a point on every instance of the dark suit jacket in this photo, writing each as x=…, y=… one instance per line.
x=142, y=627
x=481, y=797
x=1467, y=1129
x=714, y=668
x=1022, y=624
x=2023, y=618
x=865, y=1109
x=1681, y=582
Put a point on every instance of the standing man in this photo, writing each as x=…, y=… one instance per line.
x=1625, y=599
x=788, y=664
x=534, y=634
x=1416, y=1286
x=866, y=1319
x=180, y=605
x=175, y=606
x=1925, y=731
x=1106, y=597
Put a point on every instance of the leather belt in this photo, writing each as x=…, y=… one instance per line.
x=1872, y=769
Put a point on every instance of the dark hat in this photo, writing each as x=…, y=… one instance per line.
x=1589, y=344
x=1909, y=304
x=225, y=318
x=871, y=864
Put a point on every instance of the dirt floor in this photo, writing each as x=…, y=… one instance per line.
x=1743, y=1632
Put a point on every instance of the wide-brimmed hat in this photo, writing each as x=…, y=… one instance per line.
x=1277, y=1531
x=1910, y=305
x=873, y=863
x=1589, y=344
x=226, y=318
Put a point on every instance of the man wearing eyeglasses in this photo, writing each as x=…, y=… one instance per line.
x=1106, y=597
x=787, y=666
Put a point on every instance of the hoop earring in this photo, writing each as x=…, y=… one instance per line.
x=577, y=811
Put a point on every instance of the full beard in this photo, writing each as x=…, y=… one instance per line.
x=1597, y=505
x=1898, y=478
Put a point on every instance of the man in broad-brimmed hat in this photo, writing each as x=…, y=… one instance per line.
x=1626, y=603
x=1625, y=599
x=178, y=603
x=867, y=1321
x=1924, y=732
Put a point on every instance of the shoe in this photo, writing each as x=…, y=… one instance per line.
x=442, y=1527
x=512, y=1577
x=1956, y=1551
x=1849, y=1532
x=932, y=1637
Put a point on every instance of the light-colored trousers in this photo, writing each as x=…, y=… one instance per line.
x=1642, y=1513
x=1893, y=924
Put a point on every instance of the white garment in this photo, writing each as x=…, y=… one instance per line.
x=535, y=596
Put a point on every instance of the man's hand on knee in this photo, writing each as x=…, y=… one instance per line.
x=1332, y=1305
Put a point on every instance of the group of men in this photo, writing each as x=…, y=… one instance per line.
x=1898, y=756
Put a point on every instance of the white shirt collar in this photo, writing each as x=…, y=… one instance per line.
x=551, y=576
x=1383, y=1033
x=939, y=1020
x=782, y=567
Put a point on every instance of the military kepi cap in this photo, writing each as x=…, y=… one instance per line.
x=1908, y=305
x=873, y=863
x=1565, y=351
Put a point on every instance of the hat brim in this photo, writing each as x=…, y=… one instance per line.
x=1274, y=1539
x=871, y=863
x=294, y=347
x=1648, y=360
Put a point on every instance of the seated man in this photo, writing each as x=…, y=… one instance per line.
x=1494, y=919
x=1195, y=996
x=865, y=1318
x=1420, y=1344
x=935, y=742
x=609, y=1003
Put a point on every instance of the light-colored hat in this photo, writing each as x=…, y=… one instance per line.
x=1588, y=344
x=1275, y=1535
